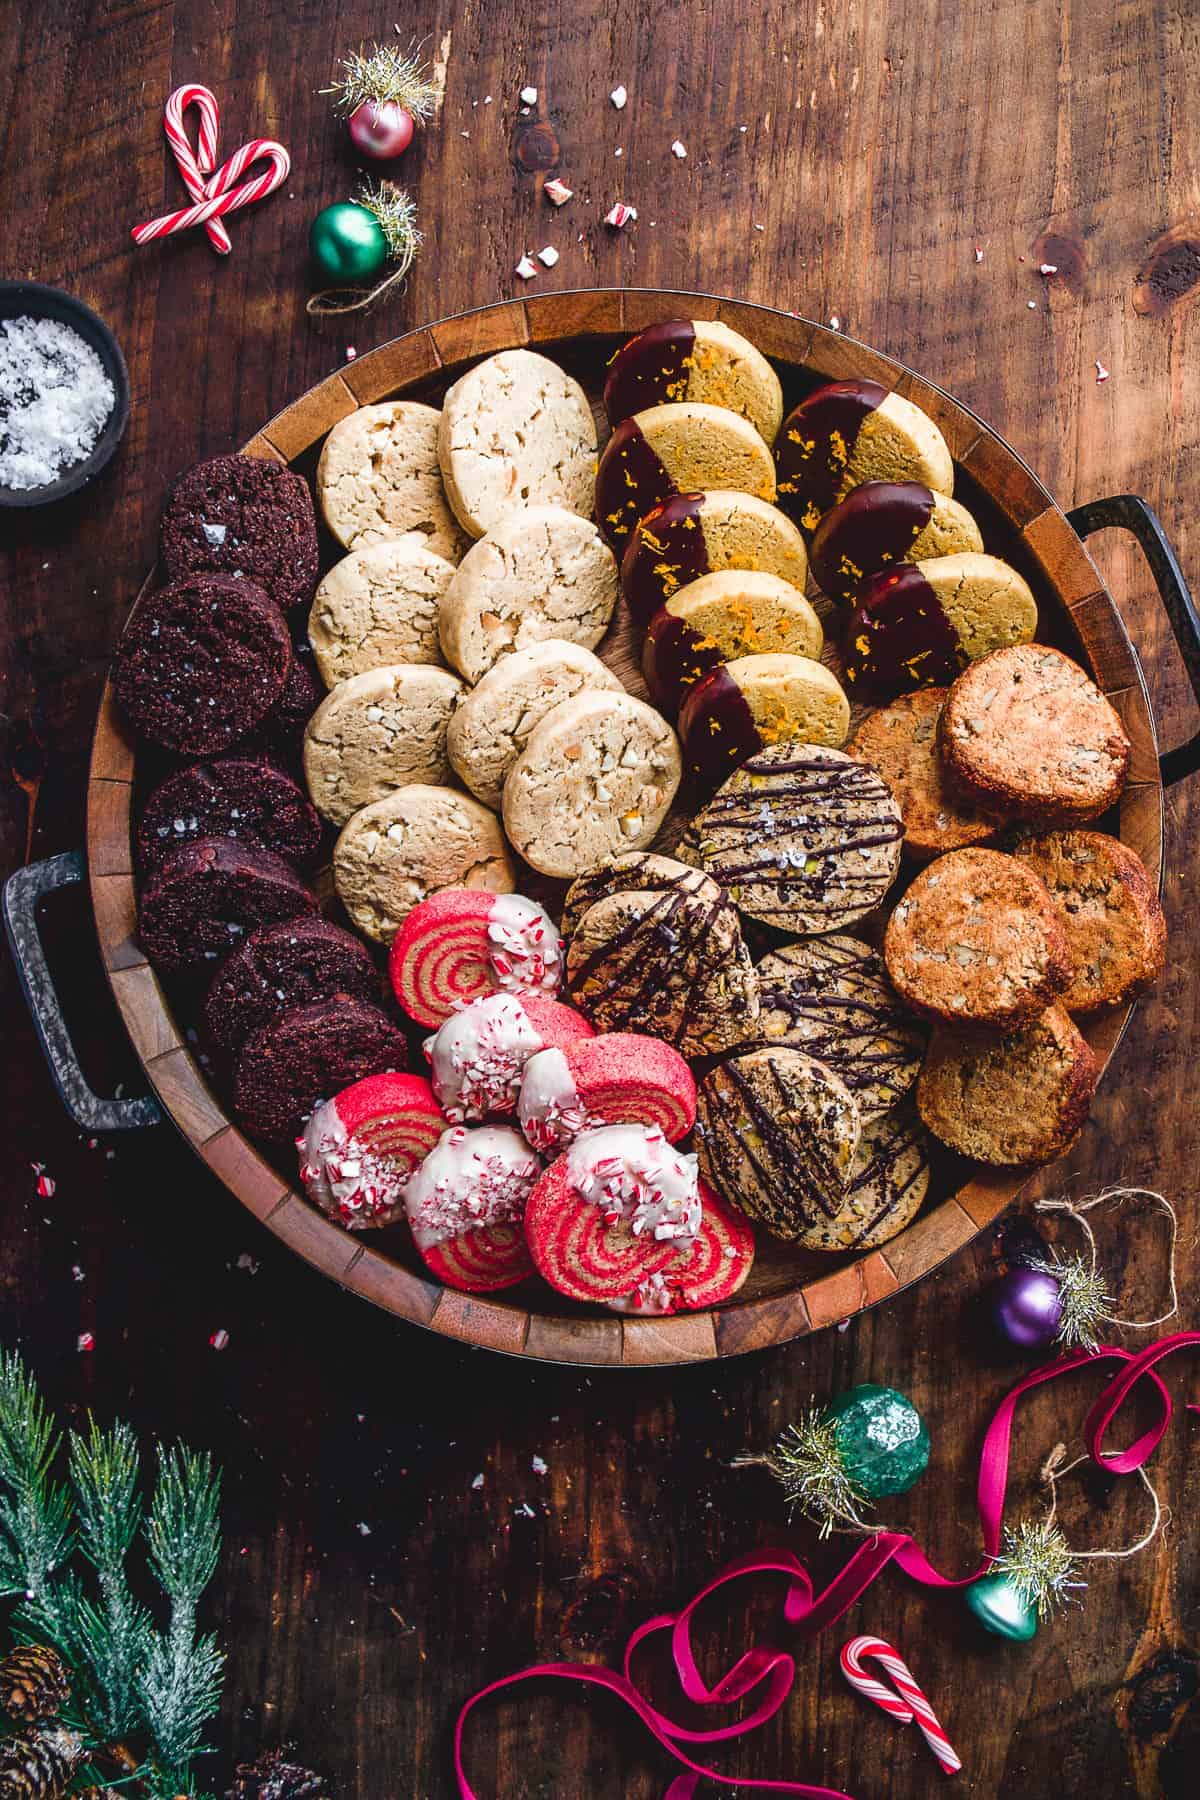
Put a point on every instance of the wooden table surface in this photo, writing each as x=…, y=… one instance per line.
x=843, y=160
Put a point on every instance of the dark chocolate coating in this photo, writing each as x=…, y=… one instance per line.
x=899, y=1133
x=898, y=637
x=666, y=550
x=876, y=525
x=629, y=482
x=716, y=727
x=815, y=444
x=650, y=370
x=747, y=1120
x=674, y=657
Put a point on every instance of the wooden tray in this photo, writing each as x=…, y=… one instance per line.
x=788, y=1293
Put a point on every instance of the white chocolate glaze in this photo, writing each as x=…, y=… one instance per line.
x=549, y=1109
x=470, y=1178
x=525, y=952
x=343, y=1178
x=632, y=1172
x=478, y=1056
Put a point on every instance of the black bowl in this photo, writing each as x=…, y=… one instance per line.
x=33, y=300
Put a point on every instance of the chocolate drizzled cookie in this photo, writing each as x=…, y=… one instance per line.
x=802, y=836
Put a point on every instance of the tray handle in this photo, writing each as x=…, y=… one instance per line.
x=1131, y=513
x=22, y=891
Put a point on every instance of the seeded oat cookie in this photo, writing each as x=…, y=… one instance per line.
x=540, y=572
x=1014, y=1100
x=597, y=776
x=410, y=844
x=377, y=732
x=378, y=606
x=492, y=725
x=1116, y=932
x=379, y=478
x=900, y=741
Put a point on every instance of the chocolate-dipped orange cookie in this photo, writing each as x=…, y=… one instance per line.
x=694, y=359
x=848, y=432
x=697, y=534
x=736, y=612
x=920, y=625
x=754, y=701
x=886, y=522
x=679, y=448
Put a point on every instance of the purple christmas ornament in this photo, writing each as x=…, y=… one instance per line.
x=1026, y=1308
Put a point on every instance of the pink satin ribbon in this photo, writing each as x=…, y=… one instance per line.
x=769, y=1673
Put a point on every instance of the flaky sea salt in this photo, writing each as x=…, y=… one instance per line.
x=55, y=397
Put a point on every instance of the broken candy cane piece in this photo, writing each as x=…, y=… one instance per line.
x=620, y=215
x=557, y=192
x=526, y=268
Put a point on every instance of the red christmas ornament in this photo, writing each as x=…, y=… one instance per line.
x=381, y=129
x=385, y=93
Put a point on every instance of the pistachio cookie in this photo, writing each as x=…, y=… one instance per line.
x=682, y=448
x=597, y=776
x=691, y=535
x=777, y=1133
x=831, y=998
x=887, y=522
x=741, y=706
x=246, y=517
x=849, y=432
x=802, y=836
x=714, y=620
x=540, y=572
x=1026, y=731
x=1013, y=1100
x=900, y=741
x=657, y=947
x=1116, y=932
x=694, y=359
x=492, y=725
x=516, y=430
x=411, y=843
x=379, y=477
x=919, y=625
x=376, y=732
x=379, y=606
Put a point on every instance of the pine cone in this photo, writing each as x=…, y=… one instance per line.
x=38, y=1762
x=33, y=1683
x=272, y=1777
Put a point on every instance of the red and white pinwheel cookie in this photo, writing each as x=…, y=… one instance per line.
x=477, y=1058
x=359, y=1149
x=461, y=943
x=618, y=1078
x=466, y=1204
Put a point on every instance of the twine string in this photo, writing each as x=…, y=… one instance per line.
x=1077, y=1211
x=1054, y=1470
x=330, y=302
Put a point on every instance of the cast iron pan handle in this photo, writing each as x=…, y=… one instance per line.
x=22, y=892
x=1132, y=514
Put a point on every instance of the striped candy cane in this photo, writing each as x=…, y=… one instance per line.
x=225, y=191
x=905, y=1702
x=195, y=165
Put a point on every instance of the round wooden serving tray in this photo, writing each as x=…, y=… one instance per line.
x=788, y=1293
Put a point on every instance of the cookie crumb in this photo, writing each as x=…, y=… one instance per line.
x=618, y=97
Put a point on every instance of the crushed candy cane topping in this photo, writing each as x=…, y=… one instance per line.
x=478, y=1056
x=549, y=1109
x=633, y=1174
x=618, y=97
x=344, y=1178
x=526, y=268
x=557, y=192
x=620, y=215
x=649, y=1296
x=468, y=1180
x=525, y=952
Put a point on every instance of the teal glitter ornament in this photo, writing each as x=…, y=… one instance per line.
x=1001, y=1608
x=347, y=242
x=1032, y=1575
x=868, y=1442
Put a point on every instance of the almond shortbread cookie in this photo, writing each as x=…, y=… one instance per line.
x=1018, y=1099
x=777, y=1134
x=694, y=359
x=540, y=572
x=977, y=940
x=493, y=723
x=597, y=776
x=410, y=844
x=378, y=477
x=1026, y=731
x=516, y=430
x=900, y=741
x=1116, y=932
x=681, y=448
x=379, y=605
x=376, y=732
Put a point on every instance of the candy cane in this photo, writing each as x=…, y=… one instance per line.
x=905, y=1703
x=195, y=165
x=219, y=195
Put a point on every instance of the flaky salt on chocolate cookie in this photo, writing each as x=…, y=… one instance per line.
x=1026, y=731
x=242, y=516
x=831, y=998
x=1114, y=924
x=802, y=836
x=1018, y=1099
x=657, y=947
x=692, y=535
x=378, y=606
x=376, y=732
x=977, y=940
x=248, y=798
x=694, y=359
x=848, y=432
x=777, y=1134
x=306, y=1055
x=199, y=903
x=900, y=741
x=379, y=477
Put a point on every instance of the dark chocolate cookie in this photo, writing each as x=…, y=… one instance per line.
x=308, y=1054
x=301, y=696
x=205, y=896
x=202, y=663
x=279, y=966
x=243, y=797
x=239, y=515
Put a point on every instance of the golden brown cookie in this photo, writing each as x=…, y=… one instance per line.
x=379, y=605
x=900, y=741
x=379, y=731
x=883, y=523
x=516, y=430
x=378, y=478
x=977, y=940
x=1116, y=932
x=887, y=1184
x=681, y=448
x=410, y=844
x=691, y=535
x=1018, y=1099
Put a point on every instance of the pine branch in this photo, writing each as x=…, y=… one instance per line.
x=112, y=1635
x=35, y=1513
x=179, y=1686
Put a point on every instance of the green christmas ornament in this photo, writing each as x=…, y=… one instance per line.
x=868, y=1442
x=1026, y=1582
x=347, y=242
x=1002, y=1608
